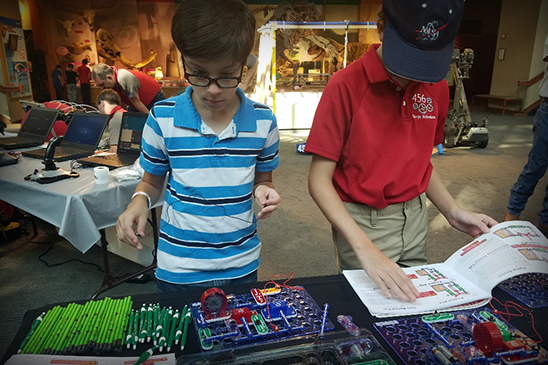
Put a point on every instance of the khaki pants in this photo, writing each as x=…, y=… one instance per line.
x=398, y=230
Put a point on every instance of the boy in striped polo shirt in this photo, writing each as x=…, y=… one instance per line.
x=219, y=149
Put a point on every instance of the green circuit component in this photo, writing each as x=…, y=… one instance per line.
x=438, y=317
x=506, y=335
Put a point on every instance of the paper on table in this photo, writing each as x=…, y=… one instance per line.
x=439, y=287
x=510, y=249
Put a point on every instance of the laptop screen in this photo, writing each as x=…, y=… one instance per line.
x=39, y=122
x=131, y=132
x=85, y=128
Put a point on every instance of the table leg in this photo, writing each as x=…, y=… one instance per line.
x=109, y=281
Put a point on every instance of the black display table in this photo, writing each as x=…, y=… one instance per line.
x=334, y=290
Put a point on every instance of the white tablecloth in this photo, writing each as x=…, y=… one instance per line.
x=78, y=206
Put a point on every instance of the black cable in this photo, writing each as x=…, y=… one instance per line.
x=64, y=262
x=198, y=195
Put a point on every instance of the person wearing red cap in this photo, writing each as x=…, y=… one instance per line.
x=372, y=138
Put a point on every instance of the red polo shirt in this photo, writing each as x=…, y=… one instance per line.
x=380, y=135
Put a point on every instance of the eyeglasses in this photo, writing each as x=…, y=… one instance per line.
x=221, y=82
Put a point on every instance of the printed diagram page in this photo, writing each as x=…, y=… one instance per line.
x=511, y=248
x=439, y=287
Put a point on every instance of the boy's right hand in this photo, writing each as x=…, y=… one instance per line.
x=131, y=223
x=388, y=276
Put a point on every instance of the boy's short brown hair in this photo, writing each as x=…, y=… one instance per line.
x=110, y=96
x=381, y=20
x=214, y=29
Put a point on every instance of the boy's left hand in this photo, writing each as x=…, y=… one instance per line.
x=472, y=223
x=268, y=198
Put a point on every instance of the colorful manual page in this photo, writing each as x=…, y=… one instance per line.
x=466, y=279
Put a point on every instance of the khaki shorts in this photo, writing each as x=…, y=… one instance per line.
x=399, y=231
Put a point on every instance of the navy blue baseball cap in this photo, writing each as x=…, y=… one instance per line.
x=419, y=36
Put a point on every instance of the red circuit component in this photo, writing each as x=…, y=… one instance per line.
x=214, y=303
x=239, y=313
x=488, y=337
x=258, y=296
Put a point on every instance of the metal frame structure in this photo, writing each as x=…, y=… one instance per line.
x=266, y=73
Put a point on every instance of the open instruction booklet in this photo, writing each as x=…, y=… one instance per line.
x=467, y=277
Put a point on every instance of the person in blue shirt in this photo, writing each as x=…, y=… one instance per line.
x=218, y=150
x=58, y=82
x=537, y=162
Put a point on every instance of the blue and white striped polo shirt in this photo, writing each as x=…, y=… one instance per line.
x=208, y=230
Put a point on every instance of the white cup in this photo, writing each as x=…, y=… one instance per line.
x=101, y=174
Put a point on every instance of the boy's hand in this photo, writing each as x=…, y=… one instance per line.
x=131, y=223
x=473, y=224
x=388, y=276
x=268, y=198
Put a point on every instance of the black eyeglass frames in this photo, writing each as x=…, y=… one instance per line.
x=204, y=81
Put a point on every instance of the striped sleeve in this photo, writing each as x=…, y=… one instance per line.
x=154, y=157
x=269, y=158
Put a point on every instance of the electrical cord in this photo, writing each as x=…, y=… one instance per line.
x=64, y=262
x=178, y=200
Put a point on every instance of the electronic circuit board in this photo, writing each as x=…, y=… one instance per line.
x=263, y=315
x=336, y=348
x=530, y=289
x=467, y=337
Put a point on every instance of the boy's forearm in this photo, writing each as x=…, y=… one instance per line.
x=323, y=192
x=262, y=178
x=152, y=185
x=438, y=194
x=338, y=216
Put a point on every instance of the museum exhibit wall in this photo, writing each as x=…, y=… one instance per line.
x=518, y=56
x=13, y=63
x=134, y=33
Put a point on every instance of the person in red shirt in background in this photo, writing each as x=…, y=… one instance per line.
x=136, y=89
x=108, y=102
x=372, y=139
x=84, y=74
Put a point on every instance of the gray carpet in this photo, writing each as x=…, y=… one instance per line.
x=297, y=238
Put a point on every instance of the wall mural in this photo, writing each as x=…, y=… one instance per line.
x=319, y=45
x=140, y=39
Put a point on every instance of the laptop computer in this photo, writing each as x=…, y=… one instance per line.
x=129, y=144
x=80, y=140
x=34, y=130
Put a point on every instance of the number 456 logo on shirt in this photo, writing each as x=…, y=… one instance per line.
x=422, y=104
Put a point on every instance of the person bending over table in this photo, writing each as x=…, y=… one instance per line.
x=136, y=89
x=372, y=138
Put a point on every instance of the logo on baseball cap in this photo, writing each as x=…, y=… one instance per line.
x=419, y=36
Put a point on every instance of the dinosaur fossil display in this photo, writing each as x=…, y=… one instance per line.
x=109, y=49
x=327, y=47
x=287, y=39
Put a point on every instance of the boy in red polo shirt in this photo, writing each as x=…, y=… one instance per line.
x=372, y=139
x=108, y=102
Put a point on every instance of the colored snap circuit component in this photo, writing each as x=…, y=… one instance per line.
x=235, y=321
